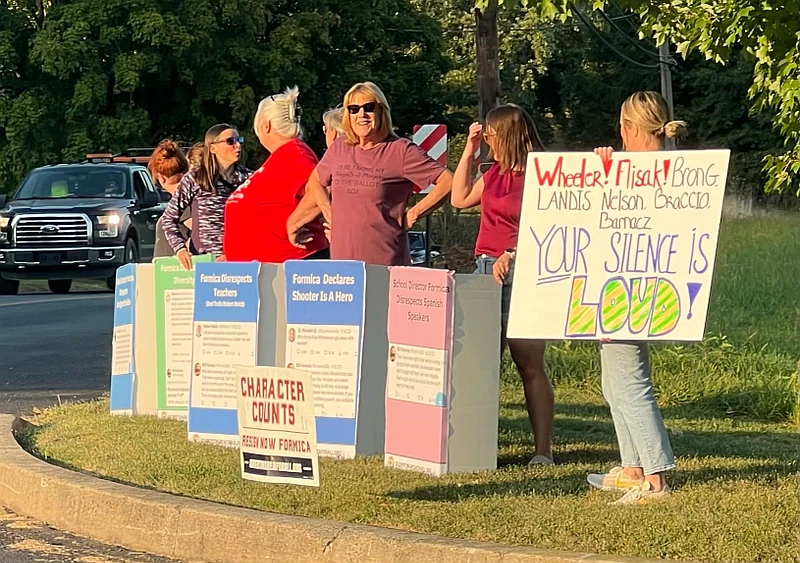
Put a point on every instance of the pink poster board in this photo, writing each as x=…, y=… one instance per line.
x=420, y=331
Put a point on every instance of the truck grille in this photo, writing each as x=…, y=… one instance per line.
x=52, y=230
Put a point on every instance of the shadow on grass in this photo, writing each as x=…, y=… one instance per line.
x=573, y=483
x=584, y=434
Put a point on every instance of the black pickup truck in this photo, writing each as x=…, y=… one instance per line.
x=83, y=220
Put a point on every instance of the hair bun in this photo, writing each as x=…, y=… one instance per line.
x=168, y=148
x=673, y=129
x=167, y=159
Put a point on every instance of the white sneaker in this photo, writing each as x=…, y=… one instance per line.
x=541, y=460
x=614, y=480
x=643, y=494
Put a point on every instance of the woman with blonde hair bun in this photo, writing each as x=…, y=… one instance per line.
x=644, y=120
x=644, y=447
x=256, y=213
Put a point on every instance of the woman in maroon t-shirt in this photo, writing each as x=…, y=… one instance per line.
x=364, y=182
x=511, y=135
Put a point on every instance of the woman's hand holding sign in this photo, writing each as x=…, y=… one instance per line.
x=604, y=153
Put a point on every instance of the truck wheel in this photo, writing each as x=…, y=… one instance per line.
x=131, y=252
x=9, y=287
x=131, y=256
x=59, y=286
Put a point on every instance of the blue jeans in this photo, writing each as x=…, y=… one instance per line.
x=484, y=265
x=641, y=434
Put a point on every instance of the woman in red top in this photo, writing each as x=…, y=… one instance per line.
x=256, y=213
x=511, y=135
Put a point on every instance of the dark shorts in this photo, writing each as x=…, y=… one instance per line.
x=484, y=265
x=324, y=254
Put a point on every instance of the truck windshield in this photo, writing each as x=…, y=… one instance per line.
x=78, y=182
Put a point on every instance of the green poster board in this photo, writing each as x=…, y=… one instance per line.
x=174, y=307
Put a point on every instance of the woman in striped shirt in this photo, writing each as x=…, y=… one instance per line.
x=205, y=190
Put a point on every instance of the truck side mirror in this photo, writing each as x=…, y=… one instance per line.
x=3, y=200
x=150, y=199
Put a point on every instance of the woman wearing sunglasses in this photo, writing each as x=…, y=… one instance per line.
x=256, y=213
x=206, y=190
x=511, y=135
x=363, y=183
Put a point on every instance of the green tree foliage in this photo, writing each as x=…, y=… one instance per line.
x=524, y=52
x=589, y=78
x=574, y=81
x=769, y=30
x=78, y=76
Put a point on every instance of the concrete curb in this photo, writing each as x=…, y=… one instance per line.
x=196, y=530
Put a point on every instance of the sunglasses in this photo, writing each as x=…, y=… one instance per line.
x=231, y=141
x=369, y=107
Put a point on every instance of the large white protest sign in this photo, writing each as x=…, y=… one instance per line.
x=621, y=250
x=277, y=430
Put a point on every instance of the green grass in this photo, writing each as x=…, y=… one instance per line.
x=729, y=404
x=40, y=286
x=754, y=295
x=735, y=498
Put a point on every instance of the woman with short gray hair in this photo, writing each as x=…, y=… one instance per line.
x=332, y=125
x=256, y=213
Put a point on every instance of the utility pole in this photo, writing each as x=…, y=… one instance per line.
x=665, y=59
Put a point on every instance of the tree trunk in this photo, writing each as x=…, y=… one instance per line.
x=488, y=65
x=40, y=13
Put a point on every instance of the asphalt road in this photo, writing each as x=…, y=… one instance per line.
x=23, y=540
x=54, y=346
x=51, y=347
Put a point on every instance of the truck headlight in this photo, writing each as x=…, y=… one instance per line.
x=4, y=221
x=109, y=226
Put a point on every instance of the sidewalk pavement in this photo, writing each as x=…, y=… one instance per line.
x=196, y=530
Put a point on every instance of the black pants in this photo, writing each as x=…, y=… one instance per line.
x=324, y=254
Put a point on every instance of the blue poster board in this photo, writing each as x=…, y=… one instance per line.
x=123, y=365
x=325, y=302
x=226, y=307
